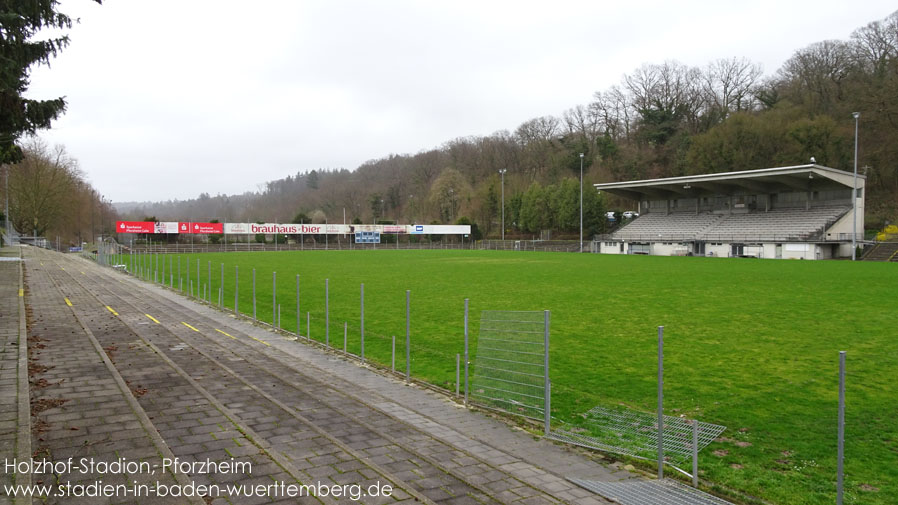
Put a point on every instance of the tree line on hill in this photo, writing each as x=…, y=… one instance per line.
x=665, y=119
x=49, y=196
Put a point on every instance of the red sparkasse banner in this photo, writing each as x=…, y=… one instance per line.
x=200, y=227
x=135, y=227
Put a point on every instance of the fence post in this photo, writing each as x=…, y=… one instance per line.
x=408, y=342
x=298, y=313
x=695, y=453
x=362, y=298
x=209, y=267
x=180, y=282
x=327, y=314
x=197, y=277
x=660, y=402
x=274, y=295
x=236, y=288
x=254, y=294
x=840, y=477
x=466, y=352
x=457, y=372
x=221, y=287
x=548, y=391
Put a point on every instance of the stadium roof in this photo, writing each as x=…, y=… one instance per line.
x=768, y=180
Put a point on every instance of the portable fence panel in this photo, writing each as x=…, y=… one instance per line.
x=509, y=363
x=626, y=431
x=656, y=492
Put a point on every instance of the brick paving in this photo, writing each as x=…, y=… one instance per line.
x=14, y=411
x=145, y=373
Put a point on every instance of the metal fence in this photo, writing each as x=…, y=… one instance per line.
x=511, y=367
x=634, y=433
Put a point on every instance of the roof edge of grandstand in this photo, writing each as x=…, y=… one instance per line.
x=830, y=173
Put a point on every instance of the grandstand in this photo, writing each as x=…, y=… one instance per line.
x=799, y=212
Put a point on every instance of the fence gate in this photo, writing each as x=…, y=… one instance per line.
x=511, y=364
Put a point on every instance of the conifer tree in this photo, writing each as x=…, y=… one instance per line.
x=21, y=21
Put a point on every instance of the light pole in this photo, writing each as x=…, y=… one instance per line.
x=854, y=194
x=6, y=214
x=502, y=175
x=581, y=202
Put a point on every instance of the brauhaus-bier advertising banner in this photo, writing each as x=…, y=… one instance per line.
x=285, y=229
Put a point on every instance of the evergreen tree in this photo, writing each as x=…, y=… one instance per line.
x=20, y=23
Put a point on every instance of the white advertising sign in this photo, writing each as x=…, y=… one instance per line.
x=167, y=227
x=236, y=228
x=440, y=229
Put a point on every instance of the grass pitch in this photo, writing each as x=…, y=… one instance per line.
x=750, y=344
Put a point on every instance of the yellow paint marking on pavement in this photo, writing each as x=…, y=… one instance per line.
x=63, y=268
x=82, y=272
x=21, y=292
x=225, y=333
x=68, y=302
x=153, y=319
x=260, y=340
x=191, y=327
x=110, y=310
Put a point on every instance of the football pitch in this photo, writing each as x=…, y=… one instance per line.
x=749, y=344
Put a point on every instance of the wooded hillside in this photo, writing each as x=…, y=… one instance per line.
x=663, y=119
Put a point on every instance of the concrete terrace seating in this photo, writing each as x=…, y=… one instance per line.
x=656, y=226
x=778, y=224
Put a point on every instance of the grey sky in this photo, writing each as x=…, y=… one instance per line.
x=168, y=99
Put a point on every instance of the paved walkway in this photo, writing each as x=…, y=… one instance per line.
x=126, y=370
x=15, y=438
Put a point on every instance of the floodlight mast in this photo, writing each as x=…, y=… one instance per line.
x=502, y=175
x=856, y=115
x=581, y=202
x=6, y=213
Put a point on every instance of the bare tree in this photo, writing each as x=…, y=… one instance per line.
x=876, y=44
x=819, y=70
x=728, y=86
x=40, y=186
x=541, y=129
x=614, y=113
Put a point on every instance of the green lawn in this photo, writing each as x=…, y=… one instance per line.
x=750, y=344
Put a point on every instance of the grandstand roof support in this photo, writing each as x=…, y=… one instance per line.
x=758, y=186
x=715, y=187
x=796, y=184
x=767, y=180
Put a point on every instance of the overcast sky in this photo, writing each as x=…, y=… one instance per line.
x=168, y=99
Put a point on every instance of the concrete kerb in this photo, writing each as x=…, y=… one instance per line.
x=23, y=435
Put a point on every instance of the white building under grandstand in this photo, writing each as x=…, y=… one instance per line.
x=800, y=212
